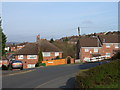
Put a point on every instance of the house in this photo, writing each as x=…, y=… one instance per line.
x=97, y=47
x=13, y=47
x=29, y=54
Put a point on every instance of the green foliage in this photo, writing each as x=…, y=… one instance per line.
x=66, y=39
x=103, y=75
x=2, y=40
x=116, y=56
x=57, y=57
x=68, y=49
x=40, y=64
x=51, y=40
x=40, y=57
x=4, y=67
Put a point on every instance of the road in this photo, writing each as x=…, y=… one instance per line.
x=46, y=77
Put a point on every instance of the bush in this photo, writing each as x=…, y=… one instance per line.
x=116, y=56
x=40, y=64
x=57, y=57
x=102, y=75
x=4, y=67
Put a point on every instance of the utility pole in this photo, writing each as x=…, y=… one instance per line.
x=78, y=45
x=79, y=31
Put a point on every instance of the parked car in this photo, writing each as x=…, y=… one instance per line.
x=16, y=64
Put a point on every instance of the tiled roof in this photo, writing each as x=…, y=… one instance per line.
x=30, y=48
x=46, y=46
x=110, y=38
x=33, y=48
x=88, y=42
x=93, y=41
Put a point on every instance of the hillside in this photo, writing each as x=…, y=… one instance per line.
x=103, y=76
x=73, y=39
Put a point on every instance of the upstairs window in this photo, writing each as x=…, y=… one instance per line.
x=46, y=54
x=107, y=45
x=20, y=56
x=31, y=56
x=86, y=50
x=56, y=53
x=95, y=50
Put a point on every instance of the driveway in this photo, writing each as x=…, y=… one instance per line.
x=46, y=77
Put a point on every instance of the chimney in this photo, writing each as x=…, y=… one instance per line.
x=37, y=38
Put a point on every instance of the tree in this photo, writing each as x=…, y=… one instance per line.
x=40, y=57
x=66, y=39
x=51, y=40
x=2, y=39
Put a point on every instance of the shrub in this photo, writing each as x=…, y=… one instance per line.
x=116, y=56
x=105, y=74
x=57, y=57
x=40, y=64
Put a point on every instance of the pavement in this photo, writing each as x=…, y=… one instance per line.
x=62, y=76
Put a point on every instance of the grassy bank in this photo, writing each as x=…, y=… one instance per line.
x=103, y=76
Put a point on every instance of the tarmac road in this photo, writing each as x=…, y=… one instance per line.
x=46, y=77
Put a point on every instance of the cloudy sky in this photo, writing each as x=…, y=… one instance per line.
x=22, y=21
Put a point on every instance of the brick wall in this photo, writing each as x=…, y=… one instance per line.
x=103, y=50
x=52, y=56
x=55, y=62
x=34, y=61
x=84, y=54
x=27, y=61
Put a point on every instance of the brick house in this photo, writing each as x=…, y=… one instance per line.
x=29, y=54
x=97, y=47
x=16, y=47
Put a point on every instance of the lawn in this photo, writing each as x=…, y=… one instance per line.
x=103, y=76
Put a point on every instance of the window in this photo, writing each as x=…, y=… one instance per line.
x=95, y=50
x=30, y=65
x=46, y=54
x=87, y=59
x=20, y=56
x=117, y=45
x=107, y=54
x=31, y=56
x=107, y=45
x=86, y=50
x=56, y=53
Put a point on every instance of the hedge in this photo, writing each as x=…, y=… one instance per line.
x=105, y=75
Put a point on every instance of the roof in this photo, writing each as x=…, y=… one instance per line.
x=110, y=38
x=15, y=45
x=93, y=41
x=46, y=46
x=33, y=48
x=88, y=42
x=30, y=48
x=21, y=44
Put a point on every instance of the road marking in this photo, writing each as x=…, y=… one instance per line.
x=52, y=80
x=19, y=73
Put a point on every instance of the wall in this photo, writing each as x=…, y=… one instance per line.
x=103, y=50
x=55, y=62
x=52, y=56
x=34, y=61
x=84, y=54
x=27, y=61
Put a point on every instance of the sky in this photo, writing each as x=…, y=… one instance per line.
x=22, y=21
